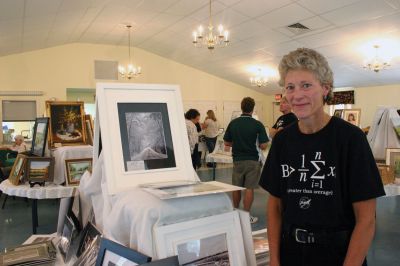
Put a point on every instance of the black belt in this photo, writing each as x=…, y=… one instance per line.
x=309, y=236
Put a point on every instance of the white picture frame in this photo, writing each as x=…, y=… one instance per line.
x=143, y=134
x=170, y=238
x=247, y=237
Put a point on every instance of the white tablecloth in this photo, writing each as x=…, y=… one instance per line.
x=50, y=191
x=129, y=217
x=393, y=189
x=68, y=152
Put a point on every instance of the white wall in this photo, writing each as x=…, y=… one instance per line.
x=52, y=70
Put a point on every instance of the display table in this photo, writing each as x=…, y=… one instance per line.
x=68, y=152
x=50, y=191
x=129, y=217
x=393, y=189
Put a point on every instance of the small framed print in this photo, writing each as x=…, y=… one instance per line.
x=112, y=253
x=67, y=236
x=352, y=116
x=75, y=169
x=213, y=240
x=143, y=135
x=393, y=159
x=338, y=113
x=39, y=139
x=17, y=169
x=39, y=169
x=67, y=123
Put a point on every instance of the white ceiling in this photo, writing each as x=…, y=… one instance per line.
x=343, y=30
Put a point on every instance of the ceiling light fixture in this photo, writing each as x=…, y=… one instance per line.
x=376, y=63
x=259, y=80
x=130, y=71
x=212, y=39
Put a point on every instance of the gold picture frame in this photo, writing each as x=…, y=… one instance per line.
x=17, y=169
x=393, y=159
x=75, y=168
x=353, y=116
x=67, y=123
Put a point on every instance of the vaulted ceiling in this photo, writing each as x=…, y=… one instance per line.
x=343, y=30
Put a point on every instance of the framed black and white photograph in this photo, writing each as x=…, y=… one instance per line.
x=213, y=240
x=146, y=136
x=39, y=139
x=143, y=135
x=88, y=234
x=113, y=254
x=67, y=235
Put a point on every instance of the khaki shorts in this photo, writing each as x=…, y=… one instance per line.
x=246, y=173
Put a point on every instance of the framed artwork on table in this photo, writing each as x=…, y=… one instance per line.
x=393, y=159
x=352, y=116
x=39, y=169
x=67, y=123
x=75, y=169
x=112, y=253
x=17, y=169
x=338, y=113
x=213, y=240
x=88, y=234
x=89, y=129
x=67, y=236
x=143, y=135
x=39, y=139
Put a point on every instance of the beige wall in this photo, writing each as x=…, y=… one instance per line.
x=52, y=70
x=369, y=98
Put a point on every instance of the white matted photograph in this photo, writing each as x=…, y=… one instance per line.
x=213, y=240
x=143, y=135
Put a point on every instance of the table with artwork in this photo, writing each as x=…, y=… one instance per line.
x=64, y=153
x=50, y=191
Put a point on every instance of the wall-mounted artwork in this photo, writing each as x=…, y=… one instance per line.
x=67, y=123
x=352, y=116
x=338, y=113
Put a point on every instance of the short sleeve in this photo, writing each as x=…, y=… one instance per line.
x=271, y=176
x=262, y=134
x=363, y=176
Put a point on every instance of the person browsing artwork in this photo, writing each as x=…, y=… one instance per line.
x=284, y=120
x=210, y=127
x=242, y=134
x=321, y=176
x=192, y=117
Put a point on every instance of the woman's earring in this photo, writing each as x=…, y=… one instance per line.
x=325, y=98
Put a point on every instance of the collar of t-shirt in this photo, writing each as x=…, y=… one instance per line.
x=246, y=115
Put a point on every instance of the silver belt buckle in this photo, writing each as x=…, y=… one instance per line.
x=296, y=235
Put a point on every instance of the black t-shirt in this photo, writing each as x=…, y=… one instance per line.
x=318, y=176
x=285, y=120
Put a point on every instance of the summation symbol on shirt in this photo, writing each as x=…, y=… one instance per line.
x=317, y=175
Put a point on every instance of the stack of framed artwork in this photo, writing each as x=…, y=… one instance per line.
x=143, y=135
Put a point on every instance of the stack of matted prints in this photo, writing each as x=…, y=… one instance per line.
x=261, y=247
x=39, y=253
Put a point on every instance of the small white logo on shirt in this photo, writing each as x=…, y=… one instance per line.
x=305, y=203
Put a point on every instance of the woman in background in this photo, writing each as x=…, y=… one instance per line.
x=192, y=116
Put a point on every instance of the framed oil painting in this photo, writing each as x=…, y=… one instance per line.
x=352, y=116
x=17, y=170
x=39, y=139
x=67, y=123
x=75, y=169
x=143, y=135
x=338, y=113
x=39, y=169
x=112, y=253
x=393, y=159
x=212, y=240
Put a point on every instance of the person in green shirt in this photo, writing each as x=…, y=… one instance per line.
x=243, y=134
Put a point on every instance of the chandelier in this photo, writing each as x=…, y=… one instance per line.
x=376, y=64
x=129, y=71
x=259, y=80
x=211, y=39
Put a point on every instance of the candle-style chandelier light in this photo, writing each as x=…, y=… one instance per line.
x=376, y=64
x=130, y=70
x=210, y=39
